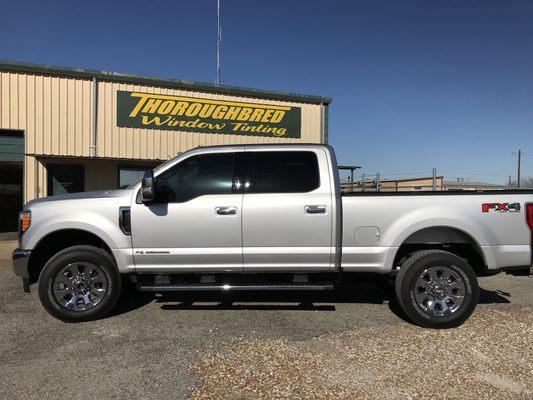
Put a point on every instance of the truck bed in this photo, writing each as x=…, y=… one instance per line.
x=375, y=225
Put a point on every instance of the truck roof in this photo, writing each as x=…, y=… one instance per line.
x=260, y=145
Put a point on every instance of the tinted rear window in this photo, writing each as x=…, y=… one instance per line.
x=285, y=172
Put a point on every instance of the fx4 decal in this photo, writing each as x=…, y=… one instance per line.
x=500, y=207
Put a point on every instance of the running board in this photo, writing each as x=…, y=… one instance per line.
x=193, y=288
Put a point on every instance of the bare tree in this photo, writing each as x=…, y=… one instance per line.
x=524, y=183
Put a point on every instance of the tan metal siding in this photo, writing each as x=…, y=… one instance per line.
x=56, y=116
x=55, y=113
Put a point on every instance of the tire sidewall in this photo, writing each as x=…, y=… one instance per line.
x=53, y=267
x=453, y=262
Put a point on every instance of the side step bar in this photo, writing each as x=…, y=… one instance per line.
x=193, y=288
x=520, y=271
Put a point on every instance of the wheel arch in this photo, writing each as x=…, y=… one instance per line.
x=53, y=242
x=444, y=237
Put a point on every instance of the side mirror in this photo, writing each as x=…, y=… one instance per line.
x=148, y=187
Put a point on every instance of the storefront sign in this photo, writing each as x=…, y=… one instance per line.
x=178, y=113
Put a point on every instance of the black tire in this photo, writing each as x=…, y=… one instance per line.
x=82, y=255
x=410, y=289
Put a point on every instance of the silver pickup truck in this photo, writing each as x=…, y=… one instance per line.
x=268, y=217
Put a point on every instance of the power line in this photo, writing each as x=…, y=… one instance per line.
x=473, y=173
x=406, y=173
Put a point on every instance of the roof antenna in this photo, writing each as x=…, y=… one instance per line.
x=219, y=39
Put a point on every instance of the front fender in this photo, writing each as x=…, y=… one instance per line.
x=94, y=223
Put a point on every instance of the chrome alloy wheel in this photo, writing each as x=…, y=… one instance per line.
x=80, y=286
x=440, y=291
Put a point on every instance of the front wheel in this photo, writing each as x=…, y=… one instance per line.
x=437, y=289
x=80, y=283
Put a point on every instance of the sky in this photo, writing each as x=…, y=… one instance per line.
x=416, y=85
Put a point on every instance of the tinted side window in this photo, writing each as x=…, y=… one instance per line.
x=285, y=172
x=196, y=176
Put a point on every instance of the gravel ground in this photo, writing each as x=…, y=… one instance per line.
x=489, y=357
x=348, y=343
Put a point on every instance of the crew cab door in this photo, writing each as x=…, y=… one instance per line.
x=287, y=211
x=195, y=222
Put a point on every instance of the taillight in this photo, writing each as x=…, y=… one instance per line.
x=529, y=219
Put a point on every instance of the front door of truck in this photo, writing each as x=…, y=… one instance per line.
x=287, y=211
x=195, y=222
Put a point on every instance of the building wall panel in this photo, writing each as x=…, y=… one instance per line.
x=30, y=113
x=14, y=95
x=53, y=133
x=39, y=116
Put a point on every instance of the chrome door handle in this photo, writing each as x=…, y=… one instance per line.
x=226, y=210
x=315, y=209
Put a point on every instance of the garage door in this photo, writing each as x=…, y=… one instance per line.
x=11, y=161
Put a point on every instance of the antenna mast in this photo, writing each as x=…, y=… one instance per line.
x=219, y=39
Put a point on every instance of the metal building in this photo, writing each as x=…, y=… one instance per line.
x=68, y=129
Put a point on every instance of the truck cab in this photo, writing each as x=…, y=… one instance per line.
x=236, y=209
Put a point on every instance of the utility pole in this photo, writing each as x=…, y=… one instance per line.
x=519, y=154
x=434, y=179
x=518, y=172
x=219, y=39
x=509, y=183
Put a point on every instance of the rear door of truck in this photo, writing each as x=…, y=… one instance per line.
x=287, y=210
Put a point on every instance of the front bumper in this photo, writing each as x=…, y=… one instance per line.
x=21, y=260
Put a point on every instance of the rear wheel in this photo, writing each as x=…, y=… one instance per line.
x=79, y=283
x=437, y=289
